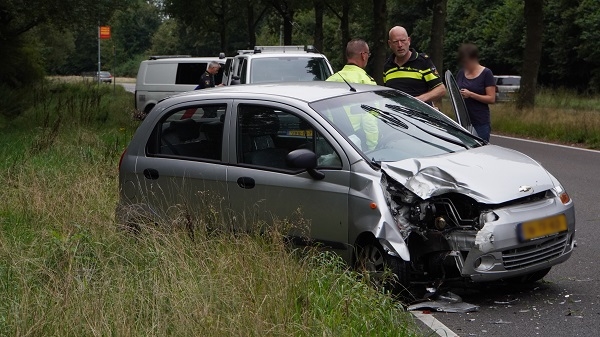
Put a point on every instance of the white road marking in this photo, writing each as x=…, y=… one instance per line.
x=435, y=325
x=545, y=143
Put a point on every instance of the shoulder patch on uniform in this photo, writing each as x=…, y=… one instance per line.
x=207, y=82
x=424, y=55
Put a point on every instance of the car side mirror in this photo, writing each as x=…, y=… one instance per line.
x=307, y=160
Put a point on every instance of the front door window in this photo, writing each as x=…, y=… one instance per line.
x=266, y=135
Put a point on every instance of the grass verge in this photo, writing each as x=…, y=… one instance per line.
x=67, y=270
x=559, y=116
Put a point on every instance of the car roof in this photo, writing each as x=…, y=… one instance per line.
x=288, y=54
x=185, y=60
x=301, y=91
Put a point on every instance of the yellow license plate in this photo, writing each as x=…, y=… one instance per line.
x=303, y=133
x=542, y=228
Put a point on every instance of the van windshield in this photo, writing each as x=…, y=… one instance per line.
x=289, y=69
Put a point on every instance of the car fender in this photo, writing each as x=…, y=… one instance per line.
x=369, y=213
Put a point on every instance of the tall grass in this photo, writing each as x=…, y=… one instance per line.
x=66, y=268
x=559, y=116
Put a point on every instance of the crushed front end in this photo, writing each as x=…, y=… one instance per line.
x=450, y=235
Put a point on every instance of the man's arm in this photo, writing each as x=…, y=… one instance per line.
x=434, y=94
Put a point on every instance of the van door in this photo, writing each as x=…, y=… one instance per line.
x=458, y=103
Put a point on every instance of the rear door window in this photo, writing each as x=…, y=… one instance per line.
x=194, y=133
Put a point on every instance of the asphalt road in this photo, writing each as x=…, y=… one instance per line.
x=567, y=302
x=129, y=87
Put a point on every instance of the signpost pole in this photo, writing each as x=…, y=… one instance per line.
x=99, y=60
x=114, y=71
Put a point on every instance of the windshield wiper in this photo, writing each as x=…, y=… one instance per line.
x=428, y=119
x=388, y=116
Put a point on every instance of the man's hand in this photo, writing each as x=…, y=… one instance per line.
x=434, y=94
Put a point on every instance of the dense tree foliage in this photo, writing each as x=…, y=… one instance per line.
x=59, y=37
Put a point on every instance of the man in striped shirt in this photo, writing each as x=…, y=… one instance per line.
x=411, y=72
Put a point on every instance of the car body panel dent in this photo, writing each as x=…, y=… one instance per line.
x=487, y=174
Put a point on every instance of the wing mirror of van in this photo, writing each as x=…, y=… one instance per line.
x=307, y=160
x=235, y=80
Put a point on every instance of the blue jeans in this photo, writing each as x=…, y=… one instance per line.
x=483, y=131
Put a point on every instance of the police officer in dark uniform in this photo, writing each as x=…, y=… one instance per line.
x=207, y=80
x=411, y=72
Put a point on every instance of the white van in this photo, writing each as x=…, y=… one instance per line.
x=163, y=76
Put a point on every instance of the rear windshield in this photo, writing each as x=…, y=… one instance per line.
x=508, y=81
x=104, y=73
x=289, y=69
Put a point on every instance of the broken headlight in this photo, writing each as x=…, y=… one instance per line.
x=559, y=191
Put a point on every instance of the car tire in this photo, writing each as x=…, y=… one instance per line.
x=383, y=270
x=530, y=278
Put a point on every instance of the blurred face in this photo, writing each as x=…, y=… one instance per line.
x=469, y=63
x=399, y=42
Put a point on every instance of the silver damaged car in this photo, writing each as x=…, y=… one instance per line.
x=381, y=178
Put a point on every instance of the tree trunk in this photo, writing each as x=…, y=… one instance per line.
x=345, y=23
x=379, y=39
x=534, y=29
x=436, y=48
x=288, y=27
x=251, y=25
x=318, y=37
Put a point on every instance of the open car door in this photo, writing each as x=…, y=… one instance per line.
x=458, y=104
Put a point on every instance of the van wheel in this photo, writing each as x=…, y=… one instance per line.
x=148, y=108
x=383, y=270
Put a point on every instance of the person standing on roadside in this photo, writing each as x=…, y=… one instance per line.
x=410, y=71
x=207, y=80
x=357, y=57
x=477, y=87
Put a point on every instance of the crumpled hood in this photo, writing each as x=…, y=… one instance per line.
x=489, y=174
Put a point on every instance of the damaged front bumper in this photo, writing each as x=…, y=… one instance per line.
x=496, y=252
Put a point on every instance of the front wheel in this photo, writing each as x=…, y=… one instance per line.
x=383, y=269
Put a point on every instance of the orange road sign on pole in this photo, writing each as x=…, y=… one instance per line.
x=104, y=32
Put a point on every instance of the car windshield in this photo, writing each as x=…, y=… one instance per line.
x=388, y=125
x=289, y=69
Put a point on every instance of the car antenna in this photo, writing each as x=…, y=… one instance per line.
x=349, y=85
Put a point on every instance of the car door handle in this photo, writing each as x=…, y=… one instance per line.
x=151, y=174
x=246, y=182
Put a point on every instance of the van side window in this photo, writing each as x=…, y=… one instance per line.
x=266, y=135
x=189, y=73
x=194, y=133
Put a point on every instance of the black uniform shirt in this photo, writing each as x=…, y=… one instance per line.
x=207, y=80
x=415, y=77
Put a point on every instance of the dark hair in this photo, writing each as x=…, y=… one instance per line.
x=468, y=51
